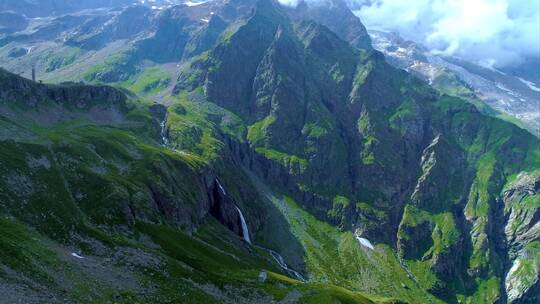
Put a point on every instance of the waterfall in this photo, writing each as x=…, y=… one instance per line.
x=245, y=230
x=281, y=262
x=223, y=189
x=245, y=233
x=163, y=125
x=279, y=259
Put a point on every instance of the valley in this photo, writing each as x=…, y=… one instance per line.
x=242, y=151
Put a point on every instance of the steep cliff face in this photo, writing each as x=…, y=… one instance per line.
x=337, y=16
x=281, y=133
x=22, y=90
x=126, y=24
x=431, y=229
x=66, y=161
x=353, y=135
x=522, y=230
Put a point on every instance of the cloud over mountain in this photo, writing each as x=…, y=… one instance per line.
x=490, y=32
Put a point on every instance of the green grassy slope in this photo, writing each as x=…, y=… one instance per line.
x=101, y=212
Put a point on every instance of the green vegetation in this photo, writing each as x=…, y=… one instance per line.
x=150, y=81
x=60, y=60
x=314, y=131
x=257, y=132
x=339, y=205
x=422, y=271
x=336, y=257
x=487, y=292
x=359, y=147
x=527, y=267
x=293, y=163
x=116, y=68
x=371, y=212
x=405, y=112
x=194, y=128
x=445, y=233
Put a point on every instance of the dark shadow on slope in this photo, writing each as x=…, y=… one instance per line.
x=267, y=226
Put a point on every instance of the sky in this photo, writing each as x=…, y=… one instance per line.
x=490, y=32
x=493, y=33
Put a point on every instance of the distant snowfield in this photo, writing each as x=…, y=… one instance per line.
x=504, y=92
x=529, y=84
x=365, y=242
x=162, y=4
x=190, y=3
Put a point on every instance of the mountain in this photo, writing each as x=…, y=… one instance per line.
x=337, y=16
x=94, y=208
x=251, y=153
x=514, y=92
x=46, y=8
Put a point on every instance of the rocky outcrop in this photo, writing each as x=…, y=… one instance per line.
x=206, y=37
x=19, y=89
x=11, y=22
x=224, y=209
x=34, y=9
x=522, y=230
x=127, y=24
x=337, y=16
x=54, y=103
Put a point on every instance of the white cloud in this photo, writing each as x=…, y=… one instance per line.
x=491, y=32
x=291, y=3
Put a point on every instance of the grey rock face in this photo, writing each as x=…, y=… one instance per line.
x=336, y=15
x=522, y=207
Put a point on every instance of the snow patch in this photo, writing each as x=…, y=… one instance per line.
x=531, y=85
x=189, y=3
x=364, y=242
x=502, y=87
x=74, y=254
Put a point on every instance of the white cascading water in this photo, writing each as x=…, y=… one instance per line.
x=163, y=125
x=245, y=230
x=245, y=233
x=281, y=262
x=221, y=187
